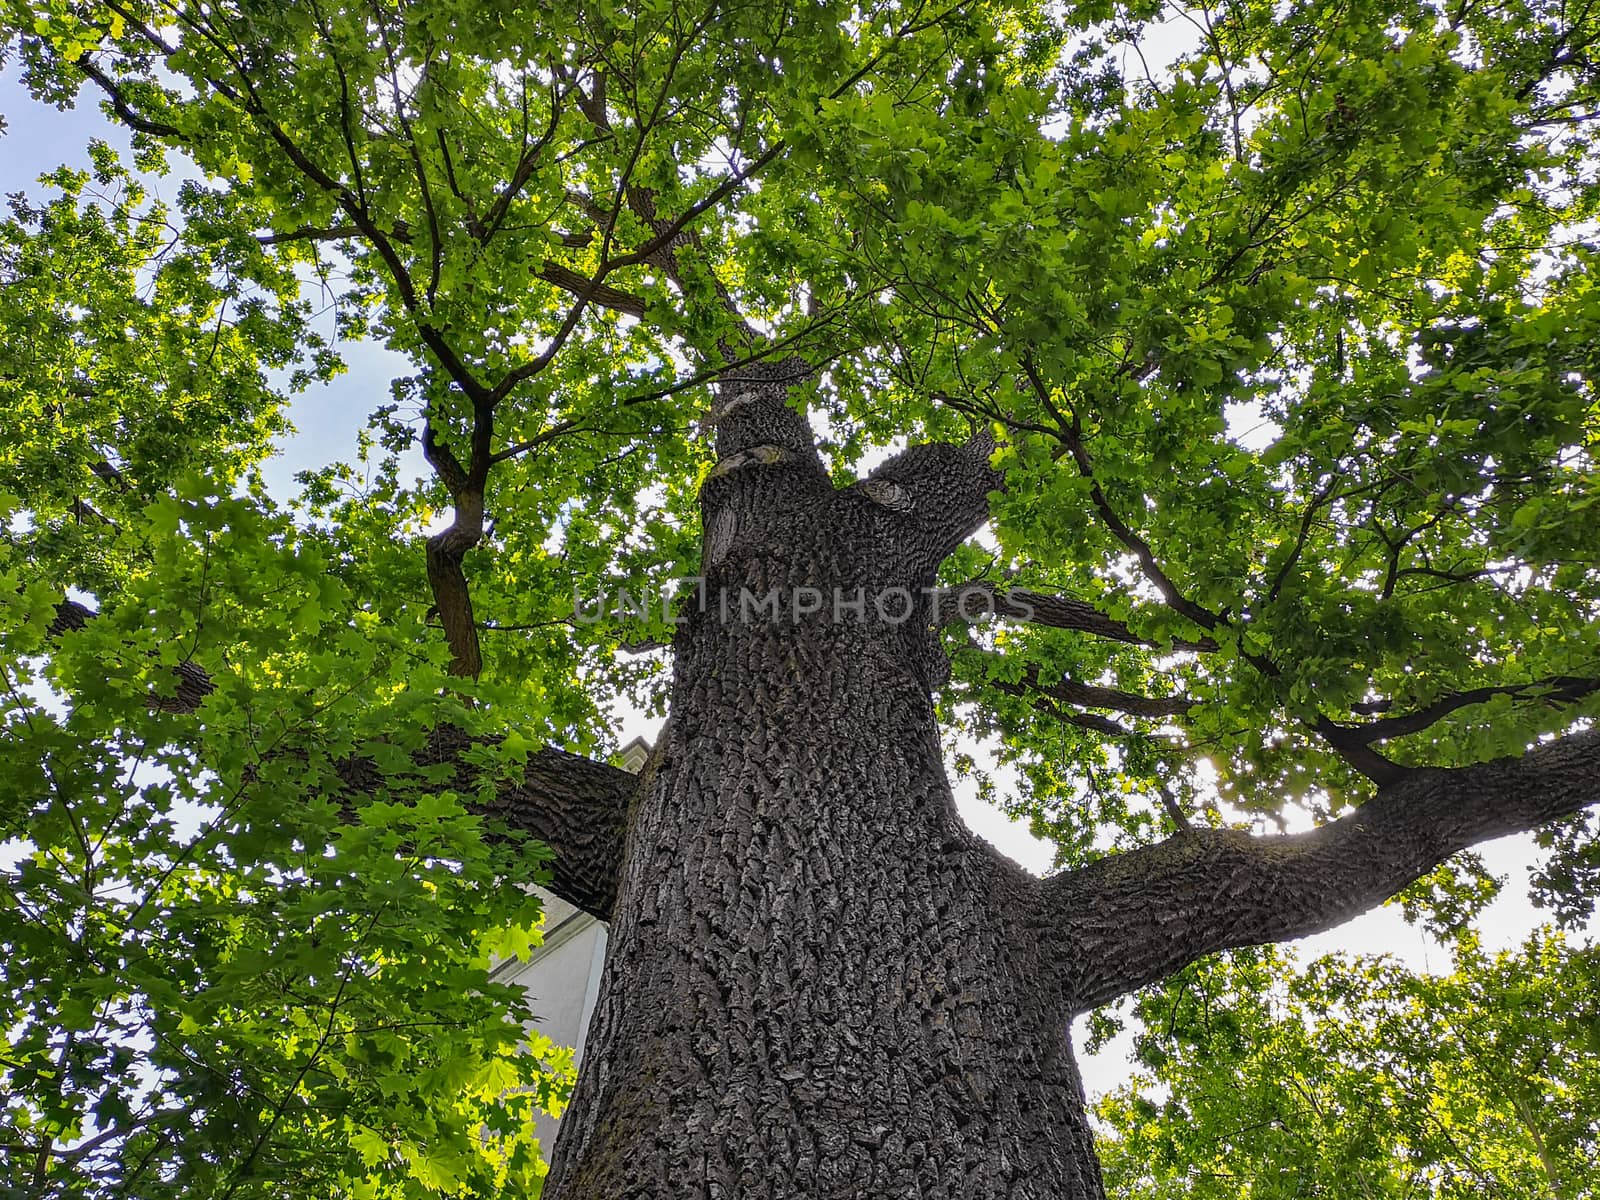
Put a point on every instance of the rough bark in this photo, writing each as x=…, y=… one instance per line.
x=819, y=983
x=1134, y=918
x=574, y=805
x=579, y=808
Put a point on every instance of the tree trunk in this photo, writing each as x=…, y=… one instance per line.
x=820, y=983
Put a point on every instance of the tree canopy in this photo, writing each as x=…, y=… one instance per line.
x=1358, y=1078
x=1287, y=350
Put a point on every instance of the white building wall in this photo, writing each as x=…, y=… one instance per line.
x=562, y=975
x=562, y=979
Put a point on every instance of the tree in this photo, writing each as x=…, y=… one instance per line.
x=1269, y=376
x=1361, y=1079
x=221, y=975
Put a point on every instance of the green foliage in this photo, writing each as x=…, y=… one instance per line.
x=1359, y=1078
x=1290, y=348
x=225, y=972
x=1313, y=317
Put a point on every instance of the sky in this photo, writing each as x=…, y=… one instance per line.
x=327, y=418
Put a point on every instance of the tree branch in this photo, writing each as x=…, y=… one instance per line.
x=579, y=808
x=1089, y=695
x=1133, y=918
x=192, y=682
x=578, y=284
x=445, y=551
x=642, y=202
x=1561, y=689
x=942, y=492
x=1093, y=722
x=119, y=102
x=979, y=598
x=1358, y=753
x=1072, y=443
x=574, y=805
x=523, y=172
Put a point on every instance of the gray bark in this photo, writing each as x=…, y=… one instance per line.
x=575, y=806
x=579, y=809
x=1134, y=918
x=820, y=983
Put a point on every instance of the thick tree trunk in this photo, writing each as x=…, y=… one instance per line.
x=820, y=983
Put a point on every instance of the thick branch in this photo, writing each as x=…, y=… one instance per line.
x=1358, y=752
x=574, y=805
x=1562, y=689
x=1049, y=698
x=1353, y=742
x=579, y=808
x=1089, y=695
x=943, y=491
x=1053, y=709
x=1134, y=918
x=578, y=284
x=452, y=599
x=191, y=682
